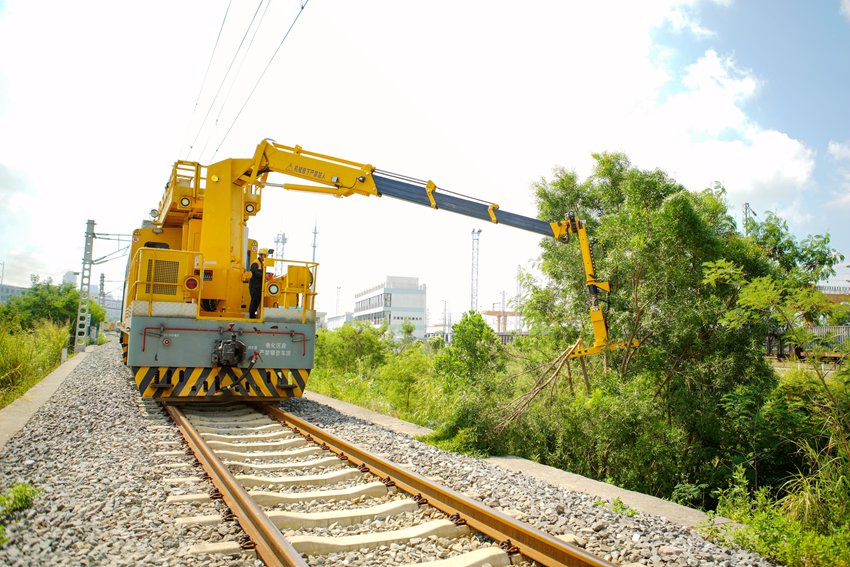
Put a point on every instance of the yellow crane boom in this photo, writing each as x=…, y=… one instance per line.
x=231, y=193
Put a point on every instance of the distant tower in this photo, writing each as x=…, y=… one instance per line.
x=473, y=303
x=518, y=295
x=337, y=299
x=279, y=241
x=748, y=214
x=315, y=234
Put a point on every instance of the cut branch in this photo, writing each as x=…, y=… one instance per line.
x=518, y=406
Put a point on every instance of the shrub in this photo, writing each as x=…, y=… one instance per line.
x=768, y=530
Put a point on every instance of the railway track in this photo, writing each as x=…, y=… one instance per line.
x=305, y=497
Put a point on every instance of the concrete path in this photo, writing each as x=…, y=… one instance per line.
x=15, y=416
x=680, y=515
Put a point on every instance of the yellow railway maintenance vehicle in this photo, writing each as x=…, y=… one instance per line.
x=185, y=329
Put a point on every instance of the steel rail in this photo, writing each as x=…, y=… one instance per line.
x=272, y=547
x=511, y=533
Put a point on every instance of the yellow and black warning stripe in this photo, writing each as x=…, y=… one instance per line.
x=204, y=382
x=124, y=347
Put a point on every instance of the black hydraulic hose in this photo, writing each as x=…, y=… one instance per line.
x=245, y=374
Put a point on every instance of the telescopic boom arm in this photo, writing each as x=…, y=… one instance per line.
x=343, y=178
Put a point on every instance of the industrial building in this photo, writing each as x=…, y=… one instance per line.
x=9, y=291
x=394, y=301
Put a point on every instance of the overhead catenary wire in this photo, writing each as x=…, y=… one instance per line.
x=226, y=74
x=206, y=73
x=113, y=236
x=241, y=64
x=114, y=255
x=260, y=78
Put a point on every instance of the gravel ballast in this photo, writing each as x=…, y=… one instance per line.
x=91, y=450
x=643, y=539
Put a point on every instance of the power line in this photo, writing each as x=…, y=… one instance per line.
x=242, y=62
x=238, y=114
x=204, y=82
x=221, y=84
x=114, y=255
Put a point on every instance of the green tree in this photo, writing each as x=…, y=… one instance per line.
x=813, y=505
x=840, y=315
x=650, y=238
x=407, y=338
x=471, y=373
x=787, y=304
x=44, y=301
x=355, y=347
x=475, y=354
x=808, y=261
x=404, y=373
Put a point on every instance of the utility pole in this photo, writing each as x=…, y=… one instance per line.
x=83, y=315
x=279, y=241
x=518, y=295
x=102, y=293
x=337, y=298
x=445, y=321
x=748, y=214
x=504, y=314
x=473, y=302
x=315, y=234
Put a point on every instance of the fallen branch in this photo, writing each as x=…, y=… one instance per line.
x=520, y=405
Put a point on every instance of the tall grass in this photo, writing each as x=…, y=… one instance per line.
x=808, y=527
x=820, y=499
x=28, y=356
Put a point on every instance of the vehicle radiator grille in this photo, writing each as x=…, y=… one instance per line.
x=163, y=274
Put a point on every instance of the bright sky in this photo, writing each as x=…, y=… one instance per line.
x=97, y=100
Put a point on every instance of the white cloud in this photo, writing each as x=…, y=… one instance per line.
x=482, y=97
x=845, y=9
x=702, y=133
x=842, y=199
x=838, y=151
x=711, y=104
x=17, y=204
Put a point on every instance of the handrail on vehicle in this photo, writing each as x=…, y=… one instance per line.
x=300, y=294
x=288, y=288
x=190, y=261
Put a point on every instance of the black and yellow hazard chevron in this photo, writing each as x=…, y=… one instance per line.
x=200, y=382
x=124, y=348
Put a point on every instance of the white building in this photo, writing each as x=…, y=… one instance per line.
x=396, y=300
x=322, y=319
x=334, y=322
x=7, y=292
